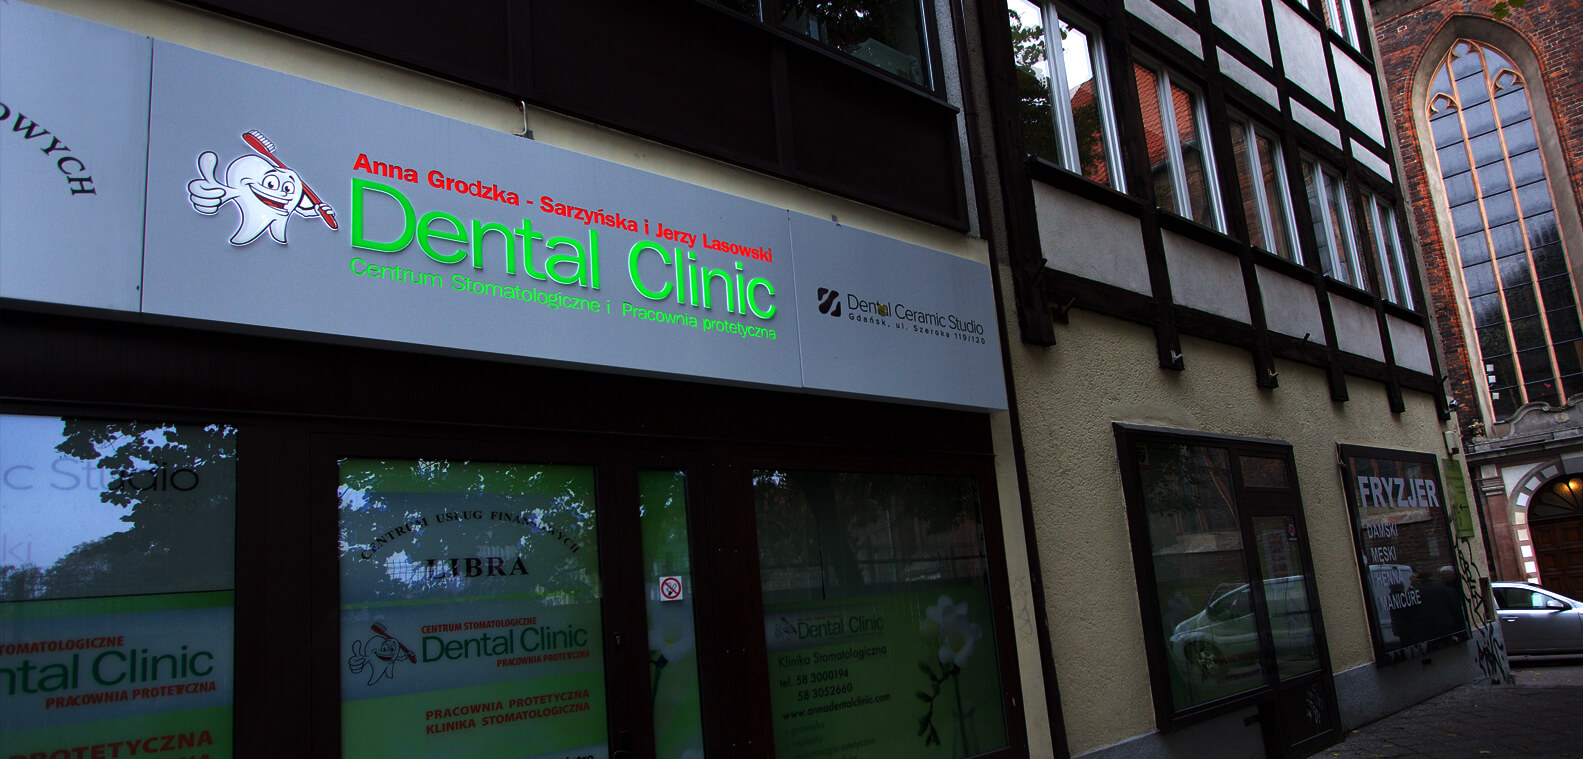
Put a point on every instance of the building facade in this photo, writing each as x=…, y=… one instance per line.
x=680, y=379
x=1496, y=206
x=1220, y=348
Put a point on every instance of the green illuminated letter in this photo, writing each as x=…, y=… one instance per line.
x=632, y=270
x=358, y=240
x=454, y=235
x=753, y=305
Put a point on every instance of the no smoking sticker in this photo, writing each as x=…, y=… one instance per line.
x=670, y=588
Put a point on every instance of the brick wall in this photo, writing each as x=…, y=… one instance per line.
x=1554, y=28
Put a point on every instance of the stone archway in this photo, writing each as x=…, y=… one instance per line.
x=1555, y=521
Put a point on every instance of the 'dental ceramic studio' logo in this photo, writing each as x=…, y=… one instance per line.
x=264, y=190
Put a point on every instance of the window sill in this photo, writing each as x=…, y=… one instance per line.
x=1046, y=171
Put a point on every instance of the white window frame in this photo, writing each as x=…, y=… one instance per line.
x=1173, y=144
x=1340, y=11
x=1388, y=243
x=1060, y=98
x=1328, y=179
x=1251, y=133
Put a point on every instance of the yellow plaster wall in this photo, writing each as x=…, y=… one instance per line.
x=1101, y=371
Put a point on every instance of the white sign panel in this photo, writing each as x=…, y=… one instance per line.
x=276, y=202
x=73, y=141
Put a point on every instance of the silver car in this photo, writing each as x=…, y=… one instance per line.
x=1536, y=621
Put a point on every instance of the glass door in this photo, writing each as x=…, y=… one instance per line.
x=1304, y=706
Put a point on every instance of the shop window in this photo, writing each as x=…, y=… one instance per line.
x=1180, y=165
x=470, y=606
x=116, y=584
x=877, y=613
x=1261, y=176
x=1486, y=155
x=1223, y=575
x=1404, y=549
x=1063, y=92
x=1382, y=234
x=1332, y=220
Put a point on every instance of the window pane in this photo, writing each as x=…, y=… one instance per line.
x=1448, y=136
x=673, y=650
x=1487, y=149
x=887, y=34
x=119, y=535
x=1535, y=198
x=1535, y=364
x=1472, y=249
x=1513, y=105
x=1453, y=159
x=1340, y=227
x=1263, y=472
x=1035, y=79
x=1080, y=56
x=1519, y=137
x=1500, y=209
x=1569, y=357
x=1480, y=279
x=1542, y=230
x=1467, y=218
x=876, y=588
x=1194, y=165
x=1546, y=391
x=1154, y=126
x=1514, y=272
x=1493, y=179
x=1196, y=544
x=1529, y=333
x=1316, y=212
x=1549, y=260
x=1556, y=292
x=1520, y=302
x=1460, y=189
x=1564, y=324
x=1248, y=184
x=1528, y=167
x=469, y=583
x=1492, y=339
x=1286, y=595
x=1275, y=195
x=1487, y=310
x=1508, y=240
x=1479, y=119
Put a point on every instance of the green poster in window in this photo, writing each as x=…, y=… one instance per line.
x=906, y=674
x=470, y=617
x=116, y=577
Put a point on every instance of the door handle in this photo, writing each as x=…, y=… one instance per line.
x=1510, y=619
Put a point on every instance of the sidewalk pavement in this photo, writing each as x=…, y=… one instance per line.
x=1542, y=715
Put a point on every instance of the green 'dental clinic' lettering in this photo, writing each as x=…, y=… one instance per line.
x=569, y=261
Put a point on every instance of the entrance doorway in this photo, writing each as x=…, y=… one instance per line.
x=1555, y=520
x=1225, y=579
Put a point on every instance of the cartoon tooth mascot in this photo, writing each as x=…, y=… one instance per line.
x=265, y=191
x=379, y=655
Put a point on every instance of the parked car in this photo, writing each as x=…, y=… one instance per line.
x=1221, y=642
x=1536, y=621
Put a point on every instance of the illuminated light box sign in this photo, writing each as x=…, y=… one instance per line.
x=276, y=202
